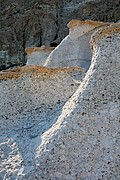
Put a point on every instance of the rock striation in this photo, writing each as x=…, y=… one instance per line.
x=75, y=50
x=35, y=23
x=38, y=55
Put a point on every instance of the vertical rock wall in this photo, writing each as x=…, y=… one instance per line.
x=35, y=23
x=74, y=50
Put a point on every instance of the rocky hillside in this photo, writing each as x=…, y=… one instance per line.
x=63, y=123
x=35, y=23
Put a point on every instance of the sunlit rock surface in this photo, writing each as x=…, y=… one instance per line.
x=75, y=50
x=28, y=23
x=42, y=137
x=84, y=141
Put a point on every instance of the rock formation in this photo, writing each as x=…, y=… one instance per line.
x=31, y=99
x=38, y=55
x=38, y=22
x=84, y=142
x=75, y=50
x=42, y=137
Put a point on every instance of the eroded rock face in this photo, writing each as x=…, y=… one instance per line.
x=35, y=23
x=38, y=55
x=30, y=102
x=75, y=50
x=83, y=143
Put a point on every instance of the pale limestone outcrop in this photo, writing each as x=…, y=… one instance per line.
x=38, y=55
x=84, y=142
x=74, y=50
x=31, y=99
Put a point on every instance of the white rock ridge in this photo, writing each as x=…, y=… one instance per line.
x=31, y=99
x=84, y=142
x=38, y=55
x=74, y=50
x=41, y=137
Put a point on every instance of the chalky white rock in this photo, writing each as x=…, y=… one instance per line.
x=42, y=137
x=75, y=50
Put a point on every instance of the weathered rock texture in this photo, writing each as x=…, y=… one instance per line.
x=31, y=99
x=75, y=50
x=38, y=55
x=38, y=22
x=84, y=142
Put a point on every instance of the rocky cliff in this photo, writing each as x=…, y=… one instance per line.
x=35, y=23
